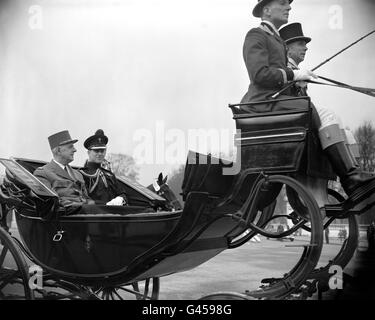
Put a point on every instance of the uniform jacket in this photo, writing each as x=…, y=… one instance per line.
x=71, y=189
x=265, y=57
x=102, y=184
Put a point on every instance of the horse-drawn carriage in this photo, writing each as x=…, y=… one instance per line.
x=102, y=252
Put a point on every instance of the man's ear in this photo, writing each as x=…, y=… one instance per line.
x=265, y=10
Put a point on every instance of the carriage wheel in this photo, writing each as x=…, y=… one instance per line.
x=279, y=288
x=14, y=276
x=142, y=290
x=347, y=250
x=227, y=296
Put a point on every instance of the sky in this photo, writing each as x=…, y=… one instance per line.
x=156, y=74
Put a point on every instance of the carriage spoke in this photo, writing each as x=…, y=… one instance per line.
x=115, y=292
x=3, y=255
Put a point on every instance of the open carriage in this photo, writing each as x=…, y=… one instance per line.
x=101, y=252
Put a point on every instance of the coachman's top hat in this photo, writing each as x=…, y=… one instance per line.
x=257, y=11
x=97, y=141
x=293, y=32
x=60, y=138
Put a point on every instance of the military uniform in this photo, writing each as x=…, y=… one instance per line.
x=62, y=178
x=69, y=185
x=102, y=185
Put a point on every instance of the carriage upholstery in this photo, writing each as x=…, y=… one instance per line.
x=272, y=142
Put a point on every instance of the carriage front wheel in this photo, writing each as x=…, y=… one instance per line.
x=147, y=289
x=14, y=275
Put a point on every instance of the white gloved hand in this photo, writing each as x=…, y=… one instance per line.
x=301, y=84
x=303, y=74
x=118, y=201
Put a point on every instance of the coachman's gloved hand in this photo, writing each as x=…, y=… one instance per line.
x=303, y=74
x=118, y=201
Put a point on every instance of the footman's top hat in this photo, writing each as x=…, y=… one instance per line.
x=293, y=32
x=60, y=138
x=97, y=141
x=257, y=11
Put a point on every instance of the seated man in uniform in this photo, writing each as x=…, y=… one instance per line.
x=265, y=56
x=101, y=183
x=59, y=176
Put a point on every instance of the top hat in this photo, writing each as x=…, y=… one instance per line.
x=97, y=141
x=257, y=11
x=60, y=138
x=293, y=32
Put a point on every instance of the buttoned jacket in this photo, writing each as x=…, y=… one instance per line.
x=266, y=60
x=69, y=186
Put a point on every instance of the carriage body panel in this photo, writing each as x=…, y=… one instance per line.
x=93, y=245
x=272, y=142
x=105, y=247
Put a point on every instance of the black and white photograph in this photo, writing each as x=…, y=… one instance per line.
x=187, y=151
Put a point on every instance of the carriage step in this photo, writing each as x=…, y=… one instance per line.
x=362, y=194
x=300, y=245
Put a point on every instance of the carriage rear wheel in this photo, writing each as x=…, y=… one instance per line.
x=14, y=276
x=347, y=250
x=147, y=289
x=281, y=288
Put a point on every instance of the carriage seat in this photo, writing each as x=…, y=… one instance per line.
x=271, y=142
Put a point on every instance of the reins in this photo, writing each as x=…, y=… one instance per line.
x=359, y=89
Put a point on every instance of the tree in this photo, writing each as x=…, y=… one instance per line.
x=123, y=165
x=365, y=136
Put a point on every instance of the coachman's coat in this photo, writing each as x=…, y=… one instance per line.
x=265, y=55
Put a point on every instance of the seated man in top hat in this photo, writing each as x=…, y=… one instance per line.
x=102, y=185
x=59, y=176
x=265, y=56
x=296, y=44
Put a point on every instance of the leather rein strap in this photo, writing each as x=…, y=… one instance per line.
x=334, y=83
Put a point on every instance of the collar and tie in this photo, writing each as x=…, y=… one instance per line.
x=270, y=27
x=68, y=172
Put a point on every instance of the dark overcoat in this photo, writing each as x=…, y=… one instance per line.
x=265, y=56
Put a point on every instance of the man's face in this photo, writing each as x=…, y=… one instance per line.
x=277, y=11
x=297, y=50
x=97, y=155
x=66, y=153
